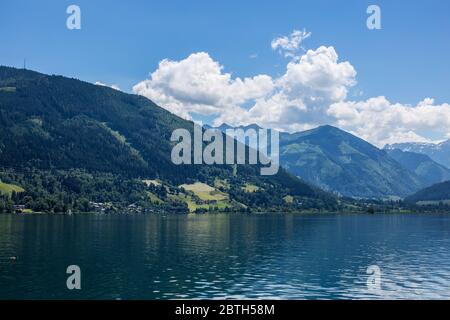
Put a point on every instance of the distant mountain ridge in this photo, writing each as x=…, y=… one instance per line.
x=338, y=161
x=428, y=170
x=439, y=152
x=436, y=193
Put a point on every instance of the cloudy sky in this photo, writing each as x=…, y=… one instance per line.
x=290, y=65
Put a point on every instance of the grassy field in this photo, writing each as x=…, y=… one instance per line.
x=154, y=198
x=250, y=187
x=6, y=188
x=122, y=139
x=197, y=187
x=221, y=183
x=198, y=193
x=189, y=200
x=205, y=192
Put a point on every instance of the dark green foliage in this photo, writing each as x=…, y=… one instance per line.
x=78, y=190
x=59, y=191
x=437, y=192
x=69, y=143
x=55, y=122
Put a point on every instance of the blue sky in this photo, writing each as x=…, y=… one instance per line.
x=122, y=42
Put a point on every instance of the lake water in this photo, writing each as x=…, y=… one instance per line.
x=225, y=256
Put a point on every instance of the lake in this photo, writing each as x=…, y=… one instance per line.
x=218, y=256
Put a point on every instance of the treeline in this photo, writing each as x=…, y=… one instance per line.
x=56, y=191
x=77, y=190
x=274, y=199
x=391, y=206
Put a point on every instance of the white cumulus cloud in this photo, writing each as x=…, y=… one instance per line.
x=380, y=121
x=198, y=84
x=312, y=91
x=301, y=95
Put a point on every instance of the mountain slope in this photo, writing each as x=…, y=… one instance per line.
x=340, y=162
x=439, y=152
x=436, y=193
x=428, y=170
x=336, y=160
x=57, y=123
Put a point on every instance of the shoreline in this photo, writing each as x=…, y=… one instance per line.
x=228, y=213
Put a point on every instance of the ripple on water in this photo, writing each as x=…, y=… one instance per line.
x=228, y=256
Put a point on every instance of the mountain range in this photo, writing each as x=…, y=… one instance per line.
x=429, y=171
x=50, y=125
x=340, y=162
x=337, y=160
x=439, y=152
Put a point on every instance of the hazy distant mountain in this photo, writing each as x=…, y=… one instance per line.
x=428, y=170
x=436, y=193
x=340, y=162
x=225, y=126
x=337, y=160
x=439, y=152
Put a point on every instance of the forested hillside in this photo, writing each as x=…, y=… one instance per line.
x=65, y=142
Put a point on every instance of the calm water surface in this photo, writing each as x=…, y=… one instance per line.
x=225, y=256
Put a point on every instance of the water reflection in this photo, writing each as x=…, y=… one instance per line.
x=225, y=256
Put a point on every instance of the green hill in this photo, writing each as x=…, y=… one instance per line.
x=75, y=134
x=432, y=195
